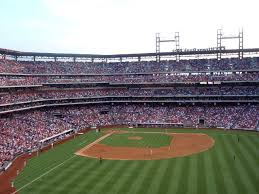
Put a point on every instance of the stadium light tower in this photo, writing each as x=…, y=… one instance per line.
x=176, y=40
x=240, y=38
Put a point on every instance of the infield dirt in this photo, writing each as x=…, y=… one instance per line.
x=183, y=144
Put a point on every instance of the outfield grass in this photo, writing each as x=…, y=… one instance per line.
x=211, y=172
x=150, y=140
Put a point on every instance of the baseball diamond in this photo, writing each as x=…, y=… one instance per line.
x=116, y=148
x=175, y=120
x=59, y=170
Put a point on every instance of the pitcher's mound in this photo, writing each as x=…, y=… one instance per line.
x=135, y=138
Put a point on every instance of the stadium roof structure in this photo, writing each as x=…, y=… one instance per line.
x=192, y=53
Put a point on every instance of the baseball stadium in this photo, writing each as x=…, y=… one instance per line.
x=162, y=125
x=171, y=121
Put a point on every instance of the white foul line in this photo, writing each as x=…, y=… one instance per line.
x=43, y=175
x=91, y=144
x=88, y=146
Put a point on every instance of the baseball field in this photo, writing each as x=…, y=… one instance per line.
x=147, y=161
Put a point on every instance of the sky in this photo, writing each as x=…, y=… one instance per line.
x=124, y=26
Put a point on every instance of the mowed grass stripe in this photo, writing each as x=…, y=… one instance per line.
x=35, y=171
x=106, y=183
x=73, y=166
x=112, y=183
x=76, y=187
x=218, y=170
x=211, y=180
x=234, y=170
x=79, y=184
x=202, y=176
x=248, y=156
x=73, y=183
x=40, y=178
x=147, y=177
x=253, y=143
x=67, y=184
x=54, y=179
x=240, y=167
x=146, y=167
x=246, y=169
x=34, y=188
x=127, y=179
x=175, y=181
x=193, y=175
x=167, y=178
x=160, y=177
x=48, y=160
x=225, y=166
x=150, y=178
x=96, y=175
x=184, y=173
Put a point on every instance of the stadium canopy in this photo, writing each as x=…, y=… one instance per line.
x=182, y=52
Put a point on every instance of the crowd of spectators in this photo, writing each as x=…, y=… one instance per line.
x=58, y=67
x=214, y=116
x=16, y=97
x=30, y=73
x=152, y=78
x=23, y=132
